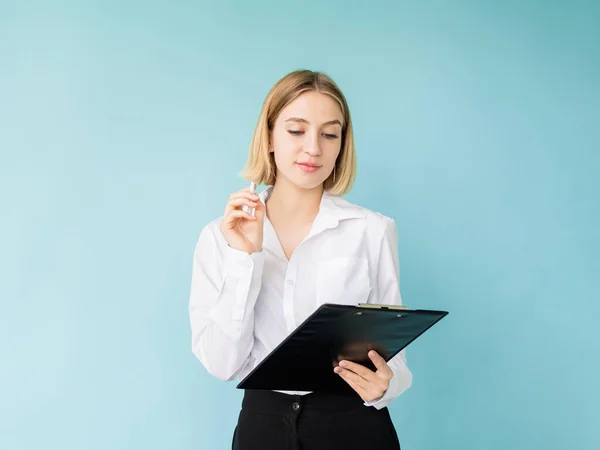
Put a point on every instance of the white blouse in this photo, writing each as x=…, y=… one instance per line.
x=242, y=306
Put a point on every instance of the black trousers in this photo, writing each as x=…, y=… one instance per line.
x=272, y=420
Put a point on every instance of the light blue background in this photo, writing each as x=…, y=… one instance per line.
x=123, y=126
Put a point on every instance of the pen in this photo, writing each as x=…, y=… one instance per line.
x=252, y=190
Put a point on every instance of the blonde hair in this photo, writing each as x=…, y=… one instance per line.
x=260, y=166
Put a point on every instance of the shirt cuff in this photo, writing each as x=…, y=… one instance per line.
x=238, y=262
x=381, y=402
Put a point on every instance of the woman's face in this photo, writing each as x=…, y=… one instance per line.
x=307, y=138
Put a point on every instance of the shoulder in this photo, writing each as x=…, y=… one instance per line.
x=379, y=230
x=211, y=233
x=214, y=225
x=375, y=221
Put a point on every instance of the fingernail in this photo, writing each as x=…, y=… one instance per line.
x=336, y=370
x=343, y=363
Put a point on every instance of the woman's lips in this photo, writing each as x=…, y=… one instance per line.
x=308, y=168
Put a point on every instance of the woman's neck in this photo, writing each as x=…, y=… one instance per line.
x=288, y=202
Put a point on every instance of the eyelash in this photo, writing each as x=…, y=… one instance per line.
x=298, y=133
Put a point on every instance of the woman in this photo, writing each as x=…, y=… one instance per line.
x=256, y=277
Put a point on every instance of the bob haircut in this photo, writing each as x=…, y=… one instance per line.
x=260, y=166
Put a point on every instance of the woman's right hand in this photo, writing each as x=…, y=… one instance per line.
x=241, y=230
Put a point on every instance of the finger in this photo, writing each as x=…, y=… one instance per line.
x=236, y=202
x=362, y=371
x=351, y=376
x=359, y=390
x=380, y=363
x=369, y=391
x=259, y=209
x=244, y=194
x=229, y=220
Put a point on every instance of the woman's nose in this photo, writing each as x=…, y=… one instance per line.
x=311, y=145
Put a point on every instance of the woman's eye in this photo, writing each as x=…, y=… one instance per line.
x=300, y=132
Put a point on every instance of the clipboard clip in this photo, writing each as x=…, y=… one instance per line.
x=379, y=306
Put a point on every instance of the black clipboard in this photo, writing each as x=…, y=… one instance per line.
x=304, y=361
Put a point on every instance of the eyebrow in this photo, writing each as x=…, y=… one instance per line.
x=299, y=119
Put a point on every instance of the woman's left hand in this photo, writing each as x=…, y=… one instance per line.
x=368, y=384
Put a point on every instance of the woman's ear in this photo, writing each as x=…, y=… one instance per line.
x=270, y=141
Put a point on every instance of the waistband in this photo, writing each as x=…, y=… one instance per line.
x=271, y=402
